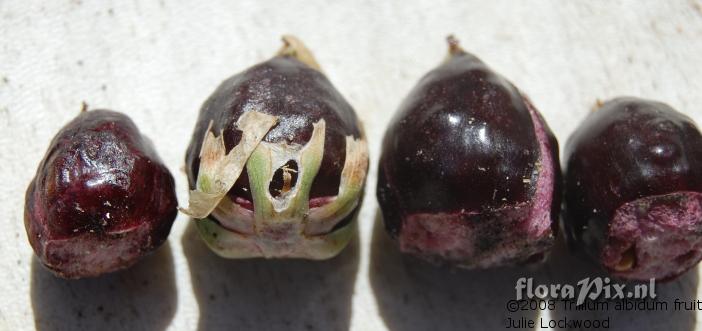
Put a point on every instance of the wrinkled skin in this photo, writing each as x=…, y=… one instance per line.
x=299, y=96
x=635, y=163
x=460, y=154
x=101, y=198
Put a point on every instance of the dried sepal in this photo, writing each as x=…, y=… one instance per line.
x=329, y=245
x=219, y=171
x=278, y=221
x=353, y=177
x=310, y=161
x=295, y=48
x=234, y=245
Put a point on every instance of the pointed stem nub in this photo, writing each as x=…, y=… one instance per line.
x=454, y=45
x=295, y=48
x=598, y=104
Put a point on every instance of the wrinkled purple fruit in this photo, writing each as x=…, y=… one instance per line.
x=469, y=170
x=101, y=198
x=633, y=198
x=277, y=162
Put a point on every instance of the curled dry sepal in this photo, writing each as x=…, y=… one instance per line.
x=281, y=190
x=219, y=170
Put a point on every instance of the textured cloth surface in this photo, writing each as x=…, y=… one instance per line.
x=157, y=61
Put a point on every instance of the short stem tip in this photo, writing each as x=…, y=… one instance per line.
x=454, y=45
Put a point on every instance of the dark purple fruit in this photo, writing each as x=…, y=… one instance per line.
x=277, y=162
x=101, y=198
x=633, y=189
x=468, y=169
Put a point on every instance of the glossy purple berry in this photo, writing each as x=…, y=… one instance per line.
x=101, y=198
x=469, y=169
x=633, y=198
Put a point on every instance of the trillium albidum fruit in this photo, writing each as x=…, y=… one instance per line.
x=101, y=198
x=633, y=189
x=277, y=162
x=469, y=169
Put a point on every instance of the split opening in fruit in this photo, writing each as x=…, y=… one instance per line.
x=284, y=179
x=628, y=260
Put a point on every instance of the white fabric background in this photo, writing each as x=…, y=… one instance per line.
x=157, y=61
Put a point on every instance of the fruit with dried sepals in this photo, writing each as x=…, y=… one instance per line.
x=277, y=162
